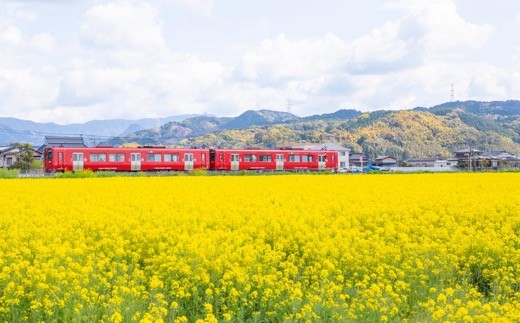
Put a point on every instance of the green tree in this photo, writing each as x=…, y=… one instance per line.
x=24, y=157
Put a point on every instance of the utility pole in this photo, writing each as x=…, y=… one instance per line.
x=469, y=158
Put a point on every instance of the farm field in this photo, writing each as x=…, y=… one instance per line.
x=421, y=247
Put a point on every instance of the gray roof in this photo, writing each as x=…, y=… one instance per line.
x=467, y=150
x=329, y=146
x=421, y=160
x=55, y=140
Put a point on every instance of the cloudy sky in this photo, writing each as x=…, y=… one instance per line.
x=76, y=60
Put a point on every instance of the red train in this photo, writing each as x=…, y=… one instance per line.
x=60, y=159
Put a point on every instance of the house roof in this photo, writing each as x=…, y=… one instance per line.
x=13, y=150
x=58, y=141
x=467, y=150
x=383, y=157
x=421, y=160
x=323, y=146
x=329, y=146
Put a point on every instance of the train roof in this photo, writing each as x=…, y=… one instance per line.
x=273, y=150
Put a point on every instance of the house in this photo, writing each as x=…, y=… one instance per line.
x=9, y=154
x=450, y=162
x=58, y=141
x=421, y=162
x=357, y=160
x=343, y=153
x=385, y=161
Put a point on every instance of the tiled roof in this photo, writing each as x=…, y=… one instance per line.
x=55, y=140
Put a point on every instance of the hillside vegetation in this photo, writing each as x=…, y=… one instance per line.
x=420, y=132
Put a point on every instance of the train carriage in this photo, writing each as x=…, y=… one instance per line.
x=60, y=159
x=260, y=159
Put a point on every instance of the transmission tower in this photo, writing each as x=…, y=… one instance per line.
x=452, y=96
x=289, y=106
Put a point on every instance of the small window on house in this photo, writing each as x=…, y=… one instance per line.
x=9, y=161
x=98, y=157
x=265, y=158
x=153, y=157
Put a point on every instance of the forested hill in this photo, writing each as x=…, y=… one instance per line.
x=420, y=132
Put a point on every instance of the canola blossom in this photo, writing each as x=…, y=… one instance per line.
x=424, y=247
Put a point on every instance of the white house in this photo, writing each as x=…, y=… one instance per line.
x=450, y=162
x=343, y=153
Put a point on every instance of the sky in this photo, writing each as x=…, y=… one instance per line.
x=69, y=61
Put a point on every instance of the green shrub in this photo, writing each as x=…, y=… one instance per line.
x=9, y=173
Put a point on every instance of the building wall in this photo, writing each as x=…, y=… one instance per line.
x=343, y=160
x=7, y=160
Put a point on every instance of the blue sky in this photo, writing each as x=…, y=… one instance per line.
x=73, y=61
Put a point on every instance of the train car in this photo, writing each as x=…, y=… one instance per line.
x=260, y=159
x=60, y=159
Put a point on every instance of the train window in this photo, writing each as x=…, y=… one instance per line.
x=49, y=154
x=171, y=157
x=188, y=157
x=98, y=157
x=234, y=157
x=305, y=158
x=322, y=158
x=294, y=158
x=60, y=157
x=203, y=156
x=153, y=157
x=116, y=157
x=311, y=158
x=332, y=157
x=249, y=158
x=265, y=158
x=221, y=157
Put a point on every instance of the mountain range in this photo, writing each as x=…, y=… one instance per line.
x=17, y=130
x=419, y=132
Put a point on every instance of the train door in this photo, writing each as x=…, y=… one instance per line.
x=322, y=162
x=135, y=161
x=60, y=160
x=279, y=162
x=77, y=161
x=188, y=161
x=235, y=162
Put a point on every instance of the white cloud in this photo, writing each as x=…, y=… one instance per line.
x=204, y=7
x=282, y=59
x=11, y=37
x=445, y=31
x=119, y=65
x=43, y=42
x=123, y=25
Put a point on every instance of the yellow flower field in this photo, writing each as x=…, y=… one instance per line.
x=293, y=247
